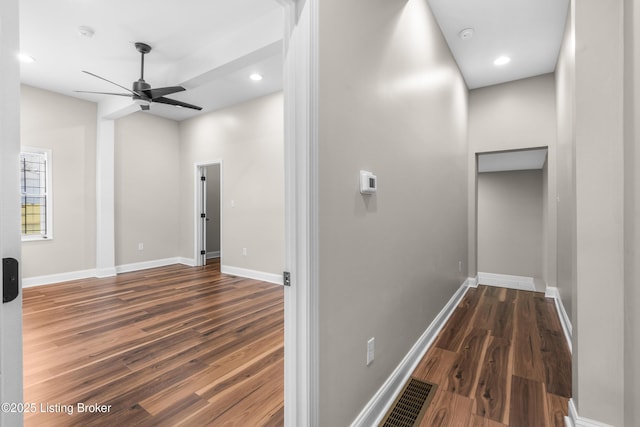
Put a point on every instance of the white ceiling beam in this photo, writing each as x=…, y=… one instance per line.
x=251, y=39
x=261, y=54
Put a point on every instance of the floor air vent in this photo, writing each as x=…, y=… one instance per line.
x=410, y=406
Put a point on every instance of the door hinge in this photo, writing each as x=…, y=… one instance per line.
x=202, y=215
x=203, y=252
x=203, y=178
x=286, y=278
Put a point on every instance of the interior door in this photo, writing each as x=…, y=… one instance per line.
x=203, y=215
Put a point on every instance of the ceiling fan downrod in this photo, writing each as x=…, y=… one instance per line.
x=143, y=48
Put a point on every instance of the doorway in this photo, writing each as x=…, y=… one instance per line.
x=208, y=188
x=511, y=209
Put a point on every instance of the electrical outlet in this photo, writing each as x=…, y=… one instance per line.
x=141, y=246
x=244, y=251
x=370, y=350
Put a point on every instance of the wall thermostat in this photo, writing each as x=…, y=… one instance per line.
x=368, y=182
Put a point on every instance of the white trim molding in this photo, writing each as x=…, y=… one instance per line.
x=471, y=282
x=214, y=254
x=506, y=281
x=51, y=279
x=565, y=321
x=58, y=278
x=251, y=274
x=187, y=261
x=101, y=273
x=574, y=420
x=198, y=207
x=145, y=265
x=379, y=404
x=301, y=330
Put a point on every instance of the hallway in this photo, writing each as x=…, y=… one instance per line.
x=501, y=359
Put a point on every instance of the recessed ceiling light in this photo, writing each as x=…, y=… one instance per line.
x=466, y=34
x=23, y=57
x=255, y=77
x=501, y=60
x=85, y=31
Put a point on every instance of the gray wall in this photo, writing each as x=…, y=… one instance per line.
x=67, y=126
x=213, y=208
x=632, y=214
x=147, y=191
x=510, y=232
x=249, y=139
x=154, y=182
x=515, y=115
x=566, y=197
x=598, y=309
x=391, y=101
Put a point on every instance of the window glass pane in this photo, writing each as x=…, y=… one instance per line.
x=33, y=187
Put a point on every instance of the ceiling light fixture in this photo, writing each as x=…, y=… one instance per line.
x=23, y=57
x=255, y=77
x=85, y=31
x=501, y=60
x=466, y=34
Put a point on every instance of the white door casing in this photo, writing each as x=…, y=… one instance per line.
x=10, y=244
x=301, y=222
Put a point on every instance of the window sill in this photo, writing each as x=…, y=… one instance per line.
x=36, y=238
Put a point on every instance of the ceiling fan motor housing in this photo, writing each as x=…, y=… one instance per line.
x=139, y=86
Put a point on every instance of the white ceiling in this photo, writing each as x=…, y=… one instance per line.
x=528, y=31
x=512, y=160
x=211, y=46
x=208, y=46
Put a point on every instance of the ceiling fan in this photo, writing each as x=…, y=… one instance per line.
x=142, y=91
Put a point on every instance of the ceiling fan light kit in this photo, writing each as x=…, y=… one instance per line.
x=142, y=92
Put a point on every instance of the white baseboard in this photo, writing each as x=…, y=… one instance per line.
x=574, y=420
x=507, y=281
x=251, y=274
x=102, y=273
x=105, y=272
x=127, y=268
x=379, y=404
x=187, y=261
x=471, y=282
x=215, y=254
x=145, y=265
x=565, y=321
x=57, y=278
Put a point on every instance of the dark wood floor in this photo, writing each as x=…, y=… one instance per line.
x=167, y=346
x=501, y=359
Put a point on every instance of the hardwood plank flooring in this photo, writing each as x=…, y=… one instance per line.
x=168, y=346
x=501, y=360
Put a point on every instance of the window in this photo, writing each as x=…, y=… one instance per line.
x=35, y=194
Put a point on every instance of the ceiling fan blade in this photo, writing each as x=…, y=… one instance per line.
x=113, y=83
x=163, y=100
x=103, y=93
x=162, y=91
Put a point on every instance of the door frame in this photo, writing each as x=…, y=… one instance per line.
x=11, y=385
x=301, y=356
x=199, y=201
x=301, y=202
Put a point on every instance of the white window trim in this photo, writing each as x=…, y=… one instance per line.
x=49, y=194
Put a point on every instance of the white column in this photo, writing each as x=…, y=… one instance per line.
x=105, y=208
x=109, y=111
